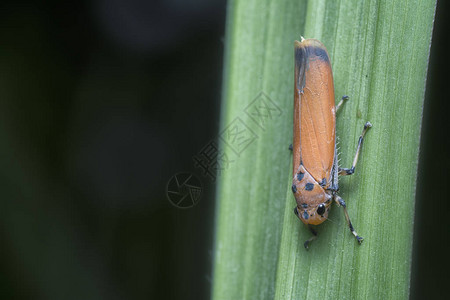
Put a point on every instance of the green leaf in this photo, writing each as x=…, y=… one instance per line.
x=379, y=52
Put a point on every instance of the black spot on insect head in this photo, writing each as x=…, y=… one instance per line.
x=294, y=189
x=309, y=186
x=305, y=215
x=295, y=211
x=304, y=205
x=300, y=176
x=321, y=209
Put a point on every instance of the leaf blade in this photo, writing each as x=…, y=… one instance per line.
x=259, y=242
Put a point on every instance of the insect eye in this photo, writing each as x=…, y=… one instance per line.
x=321, y=209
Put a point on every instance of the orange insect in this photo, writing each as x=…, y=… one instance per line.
x=315, y=159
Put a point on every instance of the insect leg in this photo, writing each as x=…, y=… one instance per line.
x=341, y=202
x=344, y=98
x=291, y=147
x=306, y=244
x=346, y=171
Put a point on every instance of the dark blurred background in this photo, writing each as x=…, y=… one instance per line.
x=431, y=251
x=101, y=103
